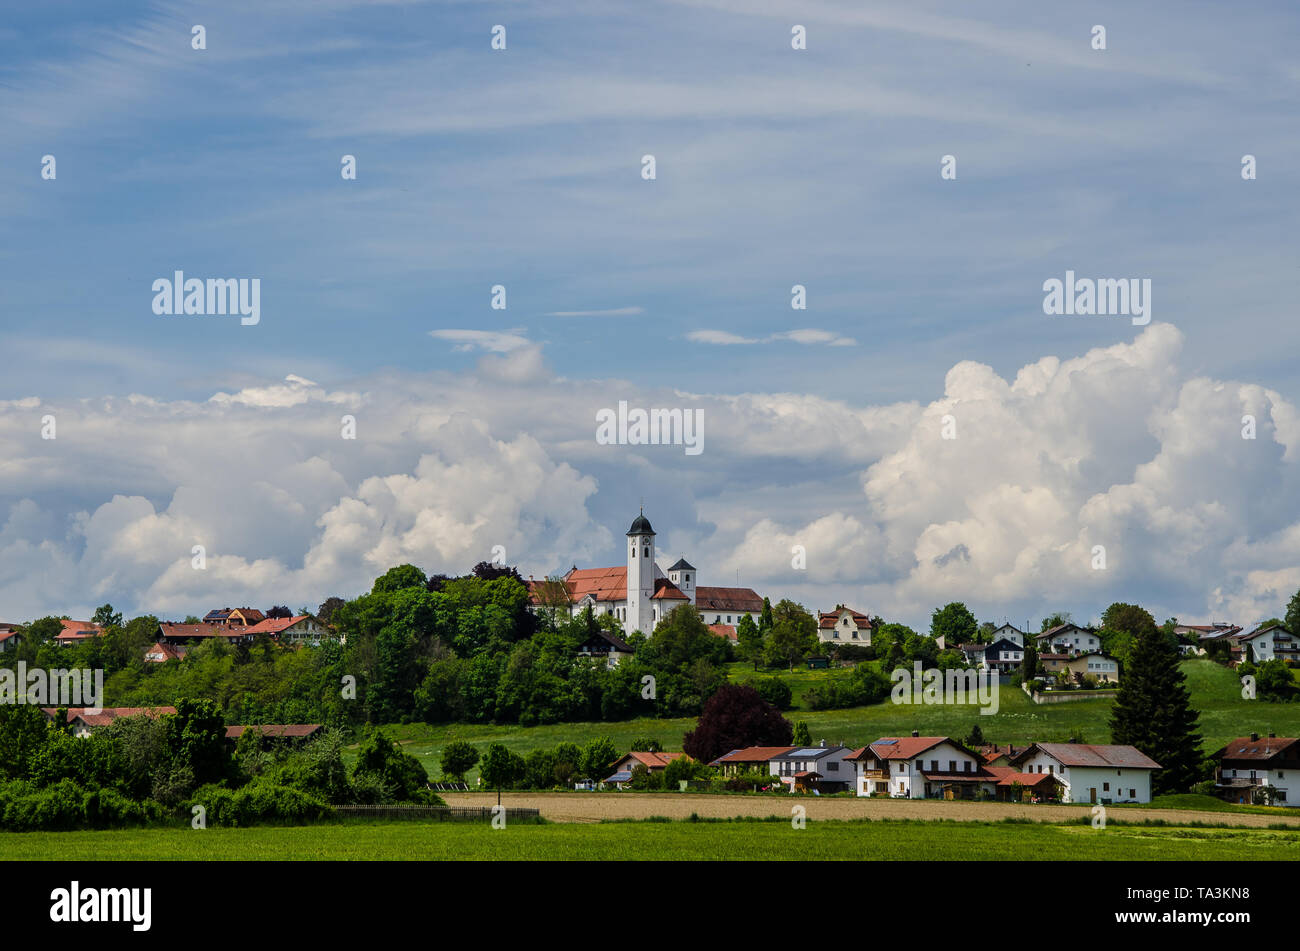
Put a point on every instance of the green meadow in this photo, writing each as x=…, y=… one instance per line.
x=1215, y=690
x=650, y=840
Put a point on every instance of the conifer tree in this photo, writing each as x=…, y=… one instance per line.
x=1153, y=713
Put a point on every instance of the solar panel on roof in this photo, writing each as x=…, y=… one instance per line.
x=886, y=743
x=812, y=752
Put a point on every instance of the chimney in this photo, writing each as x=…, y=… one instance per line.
x=1254, y=737
x=916, y=733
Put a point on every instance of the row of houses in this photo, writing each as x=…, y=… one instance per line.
x=940, y=767
x=173, y=640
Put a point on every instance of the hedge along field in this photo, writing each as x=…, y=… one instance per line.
x=641, y=841
x=1215, y=690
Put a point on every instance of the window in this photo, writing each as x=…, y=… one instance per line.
x=952, y=766
x=688, y=579
x=1105, y=787
x=969, y=766
x=934, y=766
x=832, y=767
x=633, y=551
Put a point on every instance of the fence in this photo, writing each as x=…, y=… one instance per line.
x=439, y=813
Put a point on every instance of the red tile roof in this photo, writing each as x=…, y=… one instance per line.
x=275, y=625
x=753, y=754
x=160, y=653
x=654, y=760
x=78, y=631
x=829, y=619
x=905, y=747
x=724, y=630
x=109, y=714
x=172, y=629
x=728, y=599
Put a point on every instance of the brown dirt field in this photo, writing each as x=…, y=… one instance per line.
x=593, y=807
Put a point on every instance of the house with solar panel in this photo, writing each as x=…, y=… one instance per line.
x=819, y=769
x=919, y=767
x=640, y=594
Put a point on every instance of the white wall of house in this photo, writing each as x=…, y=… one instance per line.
x=1010, y=633
x=1117, y=784
x=1279, y=779
x=905, y=776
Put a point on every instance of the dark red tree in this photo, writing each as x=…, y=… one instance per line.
x=733, y=718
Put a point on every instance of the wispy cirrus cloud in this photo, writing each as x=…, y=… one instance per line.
x=808, y=336
x=612, y=312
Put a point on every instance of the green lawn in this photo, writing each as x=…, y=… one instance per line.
x=1216, y=693
x=915, y=841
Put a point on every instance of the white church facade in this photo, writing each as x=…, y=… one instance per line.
x=641, y=594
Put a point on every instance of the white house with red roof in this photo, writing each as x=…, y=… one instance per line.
x=844, y=626
x=653, y=763
x=76, y=632
x=641, y=594
x=1092, y=772
x=919, y=767
x=300, y=629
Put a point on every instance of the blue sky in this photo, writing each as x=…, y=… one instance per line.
x=521, y=167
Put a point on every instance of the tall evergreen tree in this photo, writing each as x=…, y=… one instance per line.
x=1153, y=712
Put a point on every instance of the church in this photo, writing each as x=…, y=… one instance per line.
x=641, y=594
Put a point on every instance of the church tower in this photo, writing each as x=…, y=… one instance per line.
x=640, y=576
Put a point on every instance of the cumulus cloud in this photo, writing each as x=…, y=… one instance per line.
x=1114, y=448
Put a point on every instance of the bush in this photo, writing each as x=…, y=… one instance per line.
x=774, y=690
x=258, y=802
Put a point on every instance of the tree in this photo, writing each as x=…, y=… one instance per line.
x=501, y=768
x=954, y=623
x=647, y=744
x=683, y=768
x=325, y=613
x=105, y=616
x=1293, y=614
x=490, y=571
x=279, y=611
x=1153, y=713
x=402, y=776
x=802, y=735
x=735, y=717
x=975, y=737
x=395, y=579
x=1128, y=618
x=749, y=640
x=598, y=757
x=1029, y=666
x=1274, y=681
x=765, y=618
x=793, y=635
x=458, y=758
x=1054, y=620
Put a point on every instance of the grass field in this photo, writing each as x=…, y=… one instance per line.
x=641, y=841
x=1215, y=690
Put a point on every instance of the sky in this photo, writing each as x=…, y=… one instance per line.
x=522, y=168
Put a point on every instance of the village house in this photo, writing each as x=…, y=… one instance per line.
x=820, y=768
x=995, y=755
x=82, y=723
x=605, y=646
x=1092, y=773
x=1068, y=639
x=235, y=617
x=1013, y=786
x=843, y=626
x=1094, y=664
x=300, y=629
x=281, y=733
x=653, y=762
x=1003, y=655
x=1246, y=766
x=10, y=639
x=77, y=632
x=1273, y=642
x=918, y=767
x=182, y=637
x=749, y=759
x=1011, y=633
